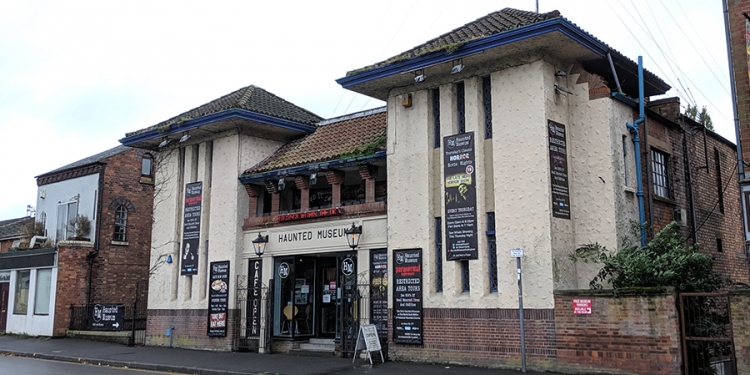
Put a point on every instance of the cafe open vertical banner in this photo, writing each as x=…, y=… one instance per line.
x=254, y=298
x=191, y=228
x=218, y=299
x=460, y=197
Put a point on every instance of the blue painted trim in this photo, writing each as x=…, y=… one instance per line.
x=507, y=37
x=310, y=168
x=220, y=116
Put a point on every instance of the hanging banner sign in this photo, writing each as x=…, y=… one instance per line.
x=379, y=291
x=747, y=44
x=218, y=299
x=191, y=229
x=254, y=297
x=460, y=197
x=558, y=161
x=407, y=296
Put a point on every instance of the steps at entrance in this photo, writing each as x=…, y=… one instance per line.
x=316, y=347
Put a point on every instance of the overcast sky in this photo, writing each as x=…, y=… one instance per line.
x=75, y=76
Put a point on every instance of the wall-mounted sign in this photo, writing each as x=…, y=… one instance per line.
x=379, y=291
x=107, y=317
x=254, y=297
x=284, y=270
x=347, y=266
x=558, y=161
x=191, y=228
x=407, y=296
x=5, y=276
x=460, y=197
x=581, y=306
x=218, y=299
x=311, y=214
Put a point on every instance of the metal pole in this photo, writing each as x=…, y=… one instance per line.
x=520, y=316
x=135, y=309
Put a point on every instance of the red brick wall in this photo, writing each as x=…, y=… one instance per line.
x=119, y=268
x=72, y=284
x=191, y=327
x=740, y=62
x=740, y=301
x=712, y=223
x=482, y=337
x=629, y=333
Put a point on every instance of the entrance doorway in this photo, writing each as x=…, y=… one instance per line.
x=308, y=292
x=4, y=289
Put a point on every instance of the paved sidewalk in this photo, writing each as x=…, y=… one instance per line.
x=186, y=361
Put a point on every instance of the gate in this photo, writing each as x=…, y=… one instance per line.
x=248, y=323
x=706, y=325
x=359, y=299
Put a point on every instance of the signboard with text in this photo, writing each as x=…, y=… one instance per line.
x=218, y=299
x=558, y=160
x=581, y=306
x=254, y=297
x=379, y=290
x=460, y=197
x=107, y=317
x=407, y=296
x=191, y=229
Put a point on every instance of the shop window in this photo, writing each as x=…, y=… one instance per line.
x=147, y=166
x=294, y=297
x=492, y=251
x=66, y=214
x=660, y=174
x=487, y=104
x=460, y=108
x=438, y=254
x=42, y=292
x=21, y=300
x=121, y=223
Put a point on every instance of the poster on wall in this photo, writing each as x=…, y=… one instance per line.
x=218, y=299
x=379, y=290
x=460, y=197
x=407, y=296
x=255, y=293
x=558, y=162
x=191, y=229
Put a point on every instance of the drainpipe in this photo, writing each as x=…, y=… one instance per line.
x=637, y=141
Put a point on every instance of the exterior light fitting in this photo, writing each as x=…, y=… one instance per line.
x=563, y=89
x=419, y=76
x=169, y=259
x=352, y=235
x=281, y=185
x=561, y=73
x=259, y=244
x=164, y=142
x=313, y=179
x=185, y=137
x=458, y=66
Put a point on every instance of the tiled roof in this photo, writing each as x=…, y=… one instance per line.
x=493, y=23
x=10, y=229
x=90, y=160
x=354, y=135
x=250, y=98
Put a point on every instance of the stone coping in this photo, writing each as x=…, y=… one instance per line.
x=622, y=292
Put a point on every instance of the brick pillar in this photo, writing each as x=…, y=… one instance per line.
x=336, y=179
x=368, y=173
x=303, y=184
x=275, y=198
x=740, y=300
x=253, y=191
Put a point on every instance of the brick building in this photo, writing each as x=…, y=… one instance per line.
x=99, y=263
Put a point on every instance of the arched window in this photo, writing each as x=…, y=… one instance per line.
x=147, y=165
x=121, y=223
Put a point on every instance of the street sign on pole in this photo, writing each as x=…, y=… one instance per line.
x=518, y=254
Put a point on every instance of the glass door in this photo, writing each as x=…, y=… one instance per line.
x=328, y=300
x=283, y=297
x=294, y=315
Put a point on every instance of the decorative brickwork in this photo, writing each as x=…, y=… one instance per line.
x=190, y=327
x=70, y=174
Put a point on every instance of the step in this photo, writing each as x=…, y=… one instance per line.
x=312, y=353
x=322, y=341
x=317, y=347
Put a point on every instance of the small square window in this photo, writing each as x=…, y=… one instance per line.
x=147, y=165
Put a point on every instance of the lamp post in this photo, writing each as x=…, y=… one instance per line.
x=259, y=244
x=352, y=235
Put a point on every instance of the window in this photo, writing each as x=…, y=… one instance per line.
x=660, y=172
x=625, y=157
x=460, y=108
x=43, y=220
x=66, y=214
x=492, y=251
x=42, y=295
x=264, y=204
x=438, y=254
x=147, y=165
x=21, y=300
x=436, y=117
x=719, y=185
x=465, y=283
x=121, y=223
x=487, y=103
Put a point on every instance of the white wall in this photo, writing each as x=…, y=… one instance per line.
x=83, y=189
x=29, y=323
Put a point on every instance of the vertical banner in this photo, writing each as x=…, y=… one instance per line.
x=379, y=290
x=460, y=197
x=407, y=296
x=191, y=228
x=254, y=295
x=747, y=44
x=218, y=299
x=558, y=161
